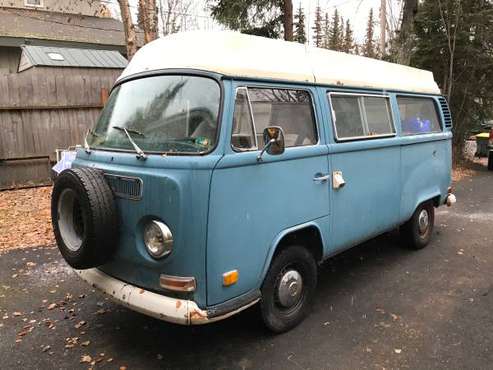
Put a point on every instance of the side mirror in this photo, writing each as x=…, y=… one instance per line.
x=273, y=141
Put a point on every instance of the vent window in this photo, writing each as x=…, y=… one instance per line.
x=447, y=116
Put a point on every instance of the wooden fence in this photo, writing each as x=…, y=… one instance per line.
x=41, y=112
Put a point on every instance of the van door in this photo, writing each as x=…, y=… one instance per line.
x=364, y=157
x=251, y=200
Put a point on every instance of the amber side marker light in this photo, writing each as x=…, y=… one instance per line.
x=230, y=277
x=177, y=283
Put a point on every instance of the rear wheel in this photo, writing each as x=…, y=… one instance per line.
x=416, y=233
x=490, y=160
x=288, y=289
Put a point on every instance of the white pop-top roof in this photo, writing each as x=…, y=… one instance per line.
x=239, y=55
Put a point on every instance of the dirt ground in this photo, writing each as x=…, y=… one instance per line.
x=25, y=218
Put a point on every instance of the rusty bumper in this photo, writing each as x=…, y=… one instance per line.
x=178, y=311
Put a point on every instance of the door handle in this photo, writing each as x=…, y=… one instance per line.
x=319, y=177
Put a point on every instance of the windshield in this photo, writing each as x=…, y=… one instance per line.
x=164, y=114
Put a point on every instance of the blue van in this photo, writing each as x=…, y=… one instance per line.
x=225, y=167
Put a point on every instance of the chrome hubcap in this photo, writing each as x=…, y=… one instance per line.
x=289, y=289
x=423, y=221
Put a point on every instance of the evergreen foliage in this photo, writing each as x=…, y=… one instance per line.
x=335, y=32
x=369, y=49
x=454, y=39
x=299, y=26
x=317, y=28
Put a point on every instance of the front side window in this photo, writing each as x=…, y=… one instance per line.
x=289, y=109
x=361, y=116
x=418, y=115
x=164, y=114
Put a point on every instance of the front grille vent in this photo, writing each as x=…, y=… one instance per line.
x=447, y=116
x=125, y=186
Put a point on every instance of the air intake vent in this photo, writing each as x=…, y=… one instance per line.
x=446, y=112
x=125, y=186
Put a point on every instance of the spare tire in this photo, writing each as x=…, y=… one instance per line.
x=84, y=217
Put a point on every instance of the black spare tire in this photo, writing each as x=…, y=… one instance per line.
x=84, y=217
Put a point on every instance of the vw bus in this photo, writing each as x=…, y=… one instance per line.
x=225, y=168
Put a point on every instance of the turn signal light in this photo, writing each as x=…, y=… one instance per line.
x=177, y=283
x=230, y=277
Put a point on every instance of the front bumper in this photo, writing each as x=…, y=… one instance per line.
x=178, y=311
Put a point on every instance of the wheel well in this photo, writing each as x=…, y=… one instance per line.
x=308, y=237
x=435, y=201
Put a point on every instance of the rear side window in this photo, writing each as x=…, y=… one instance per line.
x=361, y=116
x=418, y=115
x=289, y=109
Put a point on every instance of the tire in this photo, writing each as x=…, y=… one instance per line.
x=84, y=217
x=417, y=234
x=490, y=160
x=282, y=313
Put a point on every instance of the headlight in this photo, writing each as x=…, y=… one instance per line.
x=158, y=239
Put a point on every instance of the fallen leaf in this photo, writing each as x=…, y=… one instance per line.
x=46, y=348
x=16, y=314
x=52, y=306
x=397, y=350
x=86, y=343
x=85, y=359
x=80, y=324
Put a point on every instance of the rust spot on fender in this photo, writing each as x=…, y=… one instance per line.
x=142, y=291
x=194, y=315
x=178, y=304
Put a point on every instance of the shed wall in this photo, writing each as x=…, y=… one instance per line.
x=44, y=109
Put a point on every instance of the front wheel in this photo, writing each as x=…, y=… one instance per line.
x=288, y=289
x=416, y=233
x=490, y=160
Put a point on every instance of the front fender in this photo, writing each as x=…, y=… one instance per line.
x=279, y=237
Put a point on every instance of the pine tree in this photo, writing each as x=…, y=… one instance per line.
x=455, y=42
x=348, y=43
x=369, y=45
x=341, y=35
x=335, y=32
x=299, y=26
x=317, y=28
x=326, y=31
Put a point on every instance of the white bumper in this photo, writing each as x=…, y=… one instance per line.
x=178, y=311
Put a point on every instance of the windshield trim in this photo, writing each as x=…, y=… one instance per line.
x=175, y=72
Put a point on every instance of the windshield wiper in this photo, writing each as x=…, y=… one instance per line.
x=130, y=130
x=140, y=152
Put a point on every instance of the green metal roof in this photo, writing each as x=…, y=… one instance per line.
x=70, y=57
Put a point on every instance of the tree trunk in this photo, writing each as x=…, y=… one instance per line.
x=129, y=29
x=288, y=20
x=151, y=32
x=407, y=25
x=383, y=27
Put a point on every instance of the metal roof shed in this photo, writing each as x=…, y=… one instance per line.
x=69, y=57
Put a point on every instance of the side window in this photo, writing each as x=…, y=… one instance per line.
x=287, y=108
x=243, y=137
x=418, y=115
x=360, y=116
